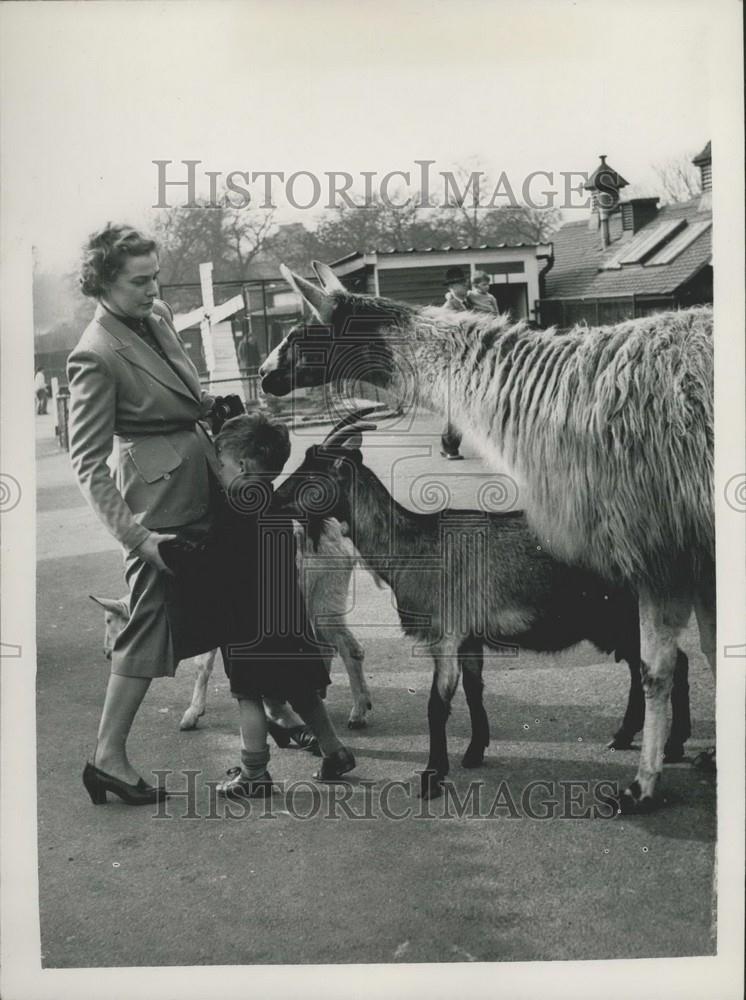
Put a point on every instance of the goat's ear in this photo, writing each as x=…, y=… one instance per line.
x=116, y=606
x=329, y=281
x=313, y=298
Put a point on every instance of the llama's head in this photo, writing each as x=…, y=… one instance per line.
x=345, y=338
x=116, y=616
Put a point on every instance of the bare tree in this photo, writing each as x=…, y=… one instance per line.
x=678, y=179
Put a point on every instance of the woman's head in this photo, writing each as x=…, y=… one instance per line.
x=252, y=445
x=120, y=265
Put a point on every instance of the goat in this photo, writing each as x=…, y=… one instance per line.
x=610, y=430
x=465, y=579
x=325, y=566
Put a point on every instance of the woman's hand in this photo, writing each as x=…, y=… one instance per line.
x=148, y=551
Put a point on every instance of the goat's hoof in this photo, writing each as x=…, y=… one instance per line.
x=431, y=784
x=357, y=724
x=474, y=756
x=706, y=761
x=190, y=719
x=632, y=803
x=620, y=741
x=673, y=754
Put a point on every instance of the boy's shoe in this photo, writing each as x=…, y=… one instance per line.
x=238, y=786
x=298, y=737
x=335, y=765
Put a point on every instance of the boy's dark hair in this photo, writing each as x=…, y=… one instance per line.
x=255, y=437
x=106, y=253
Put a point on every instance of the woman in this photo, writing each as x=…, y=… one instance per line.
x=133, y=386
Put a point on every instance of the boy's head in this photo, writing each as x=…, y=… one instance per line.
x=251, y=445
x=481, y=281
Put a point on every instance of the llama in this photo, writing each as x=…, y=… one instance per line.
x=437, y=565
x=610, y=430
x=325, y=565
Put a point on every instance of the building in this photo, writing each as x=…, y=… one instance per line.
x=418, y=276
x=632, y=257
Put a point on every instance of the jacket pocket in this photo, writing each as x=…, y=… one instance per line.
x=154, y=457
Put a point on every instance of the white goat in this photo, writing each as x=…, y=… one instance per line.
x=324, y=574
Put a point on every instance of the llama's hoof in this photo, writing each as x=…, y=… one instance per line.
x=620, y=741
x=706, y=761
x=474, y=756
x=431, y=784
x=632, y=803
x=673, y=753
x=357, y=724
x=190, y=718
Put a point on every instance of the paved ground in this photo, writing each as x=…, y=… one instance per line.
x=123, y=887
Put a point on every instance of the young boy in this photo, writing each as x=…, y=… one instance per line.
x=479, y=298
x=269, y=647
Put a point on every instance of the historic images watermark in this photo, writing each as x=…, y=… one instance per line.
x=420, y=186
x=393, y=800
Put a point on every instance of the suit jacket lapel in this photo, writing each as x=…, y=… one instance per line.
x=134, y=350
x=175, y=353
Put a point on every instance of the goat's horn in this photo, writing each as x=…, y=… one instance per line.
x=344, y=433
x=352, y=418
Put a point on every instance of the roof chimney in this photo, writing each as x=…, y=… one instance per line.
x=604, y=185
x=703, y=160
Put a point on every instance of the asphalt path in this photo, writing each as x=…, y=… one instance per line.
x=371, y=875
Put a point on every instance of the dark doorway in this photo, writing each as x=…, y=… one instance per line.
x=511, y=299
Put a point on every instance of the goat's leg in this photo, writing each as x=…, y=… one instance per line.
x=352, y=655
x=634, y=716
x=661, y=622
x=471, y=662
x=445, y=682
x=204, y=662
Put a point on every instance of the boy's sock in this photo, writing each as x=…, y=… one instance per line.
x=254, y=763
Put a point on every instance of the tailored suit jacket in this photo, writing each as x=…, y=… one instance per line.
x=131, y=409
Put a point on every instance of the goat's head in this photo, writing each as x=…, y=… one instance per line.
x=323, y=485
x=345, y=338
x=116, y=616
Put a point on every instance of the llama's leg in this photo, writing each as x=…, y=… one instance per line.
x=471, y=662
x=681, y=724
x=661, y=622
x=634, y=715
x=445, y=682
x=205, y=662
x=704, y=608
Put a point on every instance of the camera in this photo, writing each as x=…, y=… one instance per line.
x=223, y=409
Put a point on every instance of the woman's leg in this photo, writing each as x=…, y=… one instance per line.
x=124, y=696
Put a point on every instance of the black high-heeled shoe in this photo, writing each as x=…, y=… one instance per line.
x=98, y=783
x=300, y=737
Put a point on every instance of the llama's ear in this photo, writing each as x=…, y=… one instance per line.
x=319, y=302
x=329, y=281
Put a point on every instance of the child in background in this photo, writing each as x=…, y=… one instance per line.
x=269, y=648
x=479, y=298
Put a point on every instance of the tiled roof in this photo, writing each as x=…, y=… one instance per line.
x=447, y=249
x=578, y=258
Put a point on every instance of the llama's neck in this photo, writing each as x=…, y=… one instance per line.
x=453, y=363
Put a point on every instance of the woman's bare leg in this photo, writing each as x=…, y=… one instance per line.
x=124, y=696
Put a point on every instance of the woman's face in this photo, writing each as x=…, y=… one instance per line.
x=135, y=287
